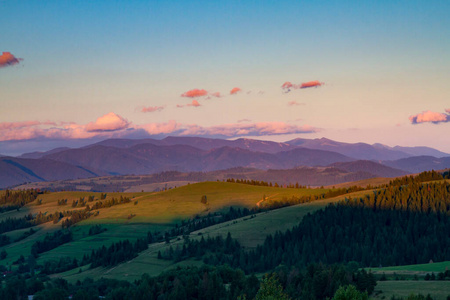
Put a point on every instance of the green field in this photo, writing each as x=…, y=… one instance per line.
x=438, y=290
x=252, y=231
x=249, y=231
x=420, y=270
x=158, y=212
x=167, y=206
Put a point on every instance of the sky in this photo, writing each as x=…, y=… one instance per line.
x=76, y=72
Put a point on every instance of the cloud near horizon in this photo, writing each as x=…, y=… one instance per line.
x=152, y=109
x=7, y=59
x=287, y=86
x=114, y=126
x=430, y=117
x=108, y=122
x=105, y=126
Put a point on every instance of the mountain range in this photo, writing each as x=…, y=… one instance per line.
x=195, y=154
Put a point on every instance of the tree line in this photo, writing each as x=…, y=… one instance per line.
x=10, y=199
x=207, y=282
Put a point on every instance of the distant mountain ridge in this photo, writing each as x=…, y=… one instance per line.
x=201, y=143
x=149, y=158
x=358, y=150
x=40, y=154
x=196, y=154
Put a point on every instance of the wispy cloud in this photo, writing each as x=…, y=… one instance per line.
x=294, y=103
x=235, y=90
x=244, y=120
x=7, y=59
x=194, y=103
x=108, y=122
x=430, y=117
x=288, y=86
x=195, y=93
x=17, y=125
x=152, y=109
x=161, y=128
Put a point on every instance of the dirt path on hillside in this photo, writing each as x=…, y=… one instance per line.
x=258, y=204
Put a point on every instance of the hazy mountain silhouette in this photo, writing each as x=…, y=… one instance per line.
x=345, y=161
x=19, y=170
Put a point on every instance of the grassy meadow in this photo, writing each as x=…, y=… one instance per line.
x=157, y=212
x=419, y=269
x=438, y=290
x=249, y=231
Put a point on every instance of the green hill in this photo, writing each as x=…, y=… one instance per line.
x=154, y=212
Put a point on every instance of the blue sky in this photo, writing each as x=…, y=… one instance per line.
x=102, y=62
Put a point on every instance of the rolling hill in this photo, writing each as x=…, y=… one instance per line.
x=371, y=167
x=334, y=174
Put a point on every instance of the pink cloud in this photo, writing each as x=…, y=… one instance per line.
x=34, y=129
x=447, y=110
x=112, y=125
x=294, y=103
x=108, y=122
x=7, y=59
x=287, y=86
x=309, y=84
x=216, y=94
x=194, y=103
x=14, y=125
x=106, y=126
x=235, y=91
x=430, y=117
x=152, y=109
x=195, y=93
x=24, y=124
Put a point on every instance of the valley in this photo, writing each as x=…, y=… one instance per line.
x=167, y=219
